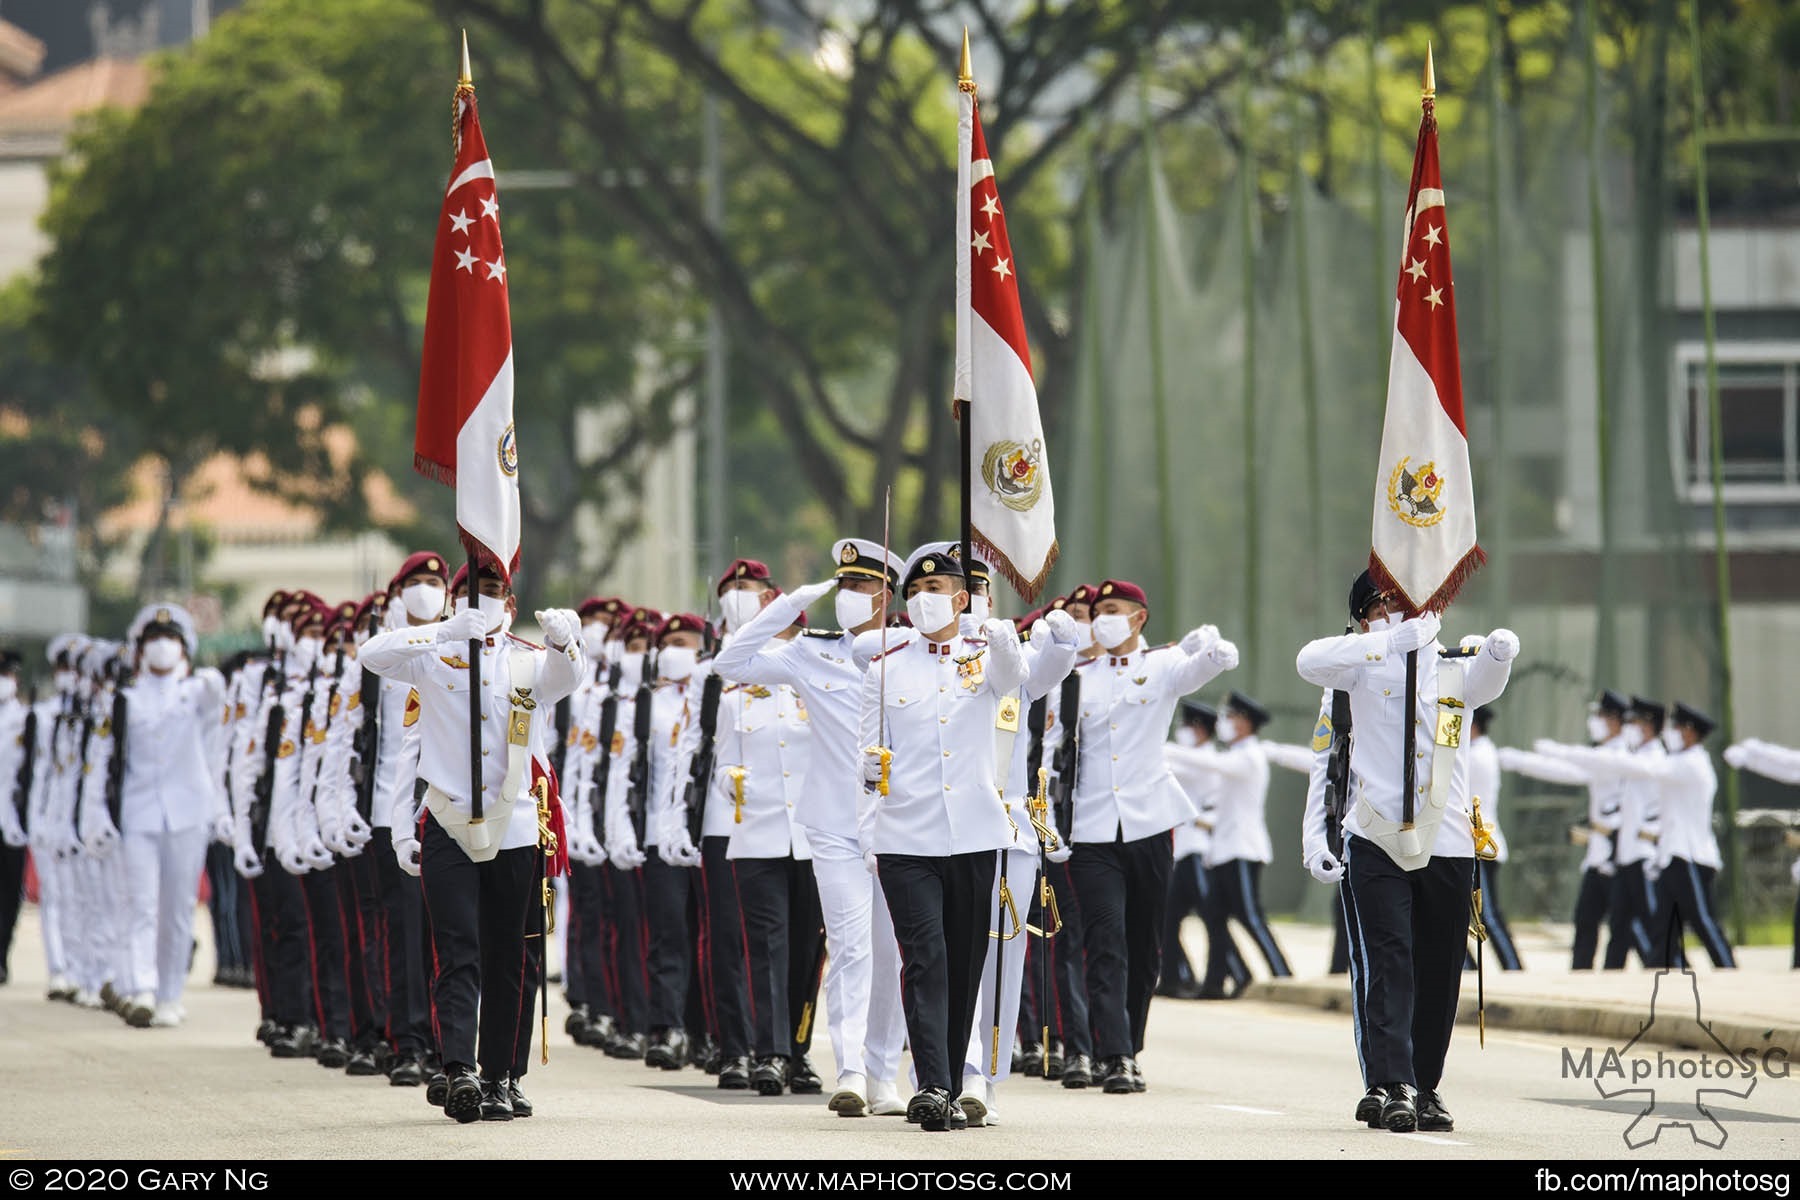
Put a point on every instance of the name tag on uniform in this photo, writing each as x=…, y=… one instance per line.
x=518, y=728
x=1008, y=717
x=1449, y=722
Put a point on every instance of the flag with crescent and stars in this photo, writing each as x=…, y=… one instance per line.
x=1423, y=544
x=465, y=434
x=1013, y=515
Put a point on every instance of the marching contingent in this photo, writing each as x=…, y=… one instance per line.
x=962, y=844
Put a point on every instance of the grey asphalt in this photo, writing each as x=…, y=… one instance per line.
x=1239, y=1079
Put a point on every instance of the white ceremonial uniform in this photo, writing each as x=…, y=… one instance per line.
x=46, y=842
x=1240, y=828
x=103, y=948
x=1124, y=788
x=169, y=804
x=767, y=733
x=414, y=656
x=862, y=971
x=1605, y=795
x=12, y=756
x=1202, y=787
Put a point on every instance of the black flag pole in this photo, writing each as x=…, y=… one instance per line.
x=476, y=820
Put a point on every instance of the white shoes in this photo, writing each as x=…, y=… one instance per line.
x=977, y=1102
x=850, y=1098
x=140, y=1009
x=166, y=1016
x=87, y=998
x=884, y=1099
x=59, y=988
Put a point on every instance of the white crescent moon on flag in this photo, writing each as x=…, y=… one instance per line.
x=478, y=170
x=979, y=170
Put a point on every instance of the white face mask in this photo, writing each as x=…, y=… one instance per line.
x=930, y=611
x=271, y=628
x=1228, y=731
x=676, y=662
x=9, y=688
x=307, y=651
x=1598, y=729
x=64, y=680
x=284, y=636
x=1673, y=738
x=1634, y=736
x=1112, y=630
x=1084, y=633
x=593, y=639
x=494, y=609
x=423, y=601
x=162, y=654
x=631, y=670
x=853, y=608
x=980, y=607
x=1185, y=736
x=359, y=637
x=460, y=604
x=737, y=607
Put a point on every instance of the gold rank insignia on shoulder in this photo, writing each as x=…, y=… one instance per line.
x=1008, y=716
x=454, y=660
x=1322, y=733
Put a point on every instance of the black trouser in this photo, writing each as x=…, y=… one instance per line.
x=1408, y=933
x=1070, y=1017
x=783, y=931
x=584, y=967
x=1685, y=899
x=221, y=904
x=12, y=893
x=1237, y=886
x=1187, y=896
x=287, y=970
x=408, y=1007
x=329, y=951
x=1500, y=938
x=1632, y=917
x=1192, y=887
x=940, y=911
x=479, y=913
x=359, y=897
x=1123, y=887
x=1591, y=904
x=531, y=973
x=722, y=965
x=668, y=897
x=1340, y=936
x=628, y=947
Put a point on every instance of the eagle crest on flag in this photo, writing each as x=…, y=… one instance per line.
x=1413, y=496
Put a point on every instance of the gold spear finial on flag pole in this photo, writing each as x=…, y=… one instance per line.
x=467, y=78
x=965, y=76
x=1430, y=91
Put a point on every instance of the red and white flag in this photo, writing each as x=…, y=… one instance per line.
x=465, y=424
x=1013, y=513
x=1423, y=544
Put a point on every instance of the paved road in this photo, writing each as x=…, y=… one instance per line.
x=1236, y=1079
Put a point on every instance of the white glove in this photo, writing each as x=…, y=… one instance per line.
x=872, y=766
x=870, y=862
x=624, y=853
x=248, y=864
x=1061, y=853
x=317, y=856
x=470, y=623
x=356, y=831
x=1652, y=870
x=812, y=593
x=1198, y=641
x=1411, y=635
x=102, y=841
x=224, y=829
x=334, y=841
x=678, y=848
x=1503, y=644
x=999, y=629
x=1225, y=654
x=1325, y=868
x=561, y=627
x=293, y=861
x=1063, y=630
x=588, y=850
x=406, y=853
x=1736, y=755
x=10, y=832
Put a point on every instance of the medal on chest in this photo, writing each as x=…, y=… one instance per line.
x=971, y=669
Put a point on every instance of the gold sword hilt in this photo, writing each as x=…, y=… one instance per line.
x=1008, y=908
x=1486, y=848
x=1038, y=809
x=887, y=761
x=737, y=794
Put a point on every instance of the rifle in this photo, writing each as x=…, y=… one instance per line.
x=331, y=694
x=700, y=771
x=1034, y=746
x=1068, y=754
x=559, y=753
x=263, y=790
x=1337, y=773
x=368, y=745
x=115, y=768
x=602, y=772
x=27, y=764
x=637, y=794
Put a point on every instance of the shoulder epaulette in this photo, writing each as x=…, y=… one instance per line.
x=1460, y=652
x=513, y=637
x=890, y=650
x=822, y=633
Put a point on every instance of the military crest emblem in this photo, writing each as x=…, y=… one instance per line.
x=1014, y=473
x=1413, y=494
x=509, y=452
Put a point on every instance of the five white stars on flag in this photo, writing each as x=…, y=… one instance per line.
x=466, y=259
x=1434, y=296
x=981, y=243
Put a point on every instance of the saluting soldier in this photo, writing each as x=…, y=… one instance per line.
x=1780, y=763
x=481, y=880
x=933, y=816
x=1126, y=802
x=1408, y=889
x=862, y=975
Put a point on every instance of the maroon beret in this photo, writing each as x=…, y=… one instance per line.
x=608, y=606
x=1087, y=593
x=423, y=560
x=275, y=603
x=743, y=568
x=642, y=623
x=1120, y=589
x=681, y=623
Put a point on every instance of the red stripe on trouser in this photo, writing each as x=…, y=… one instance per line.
x=258, y=970
x=744, y=946
x=709, y=1009
x=437, y=1035
x=312, y=958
